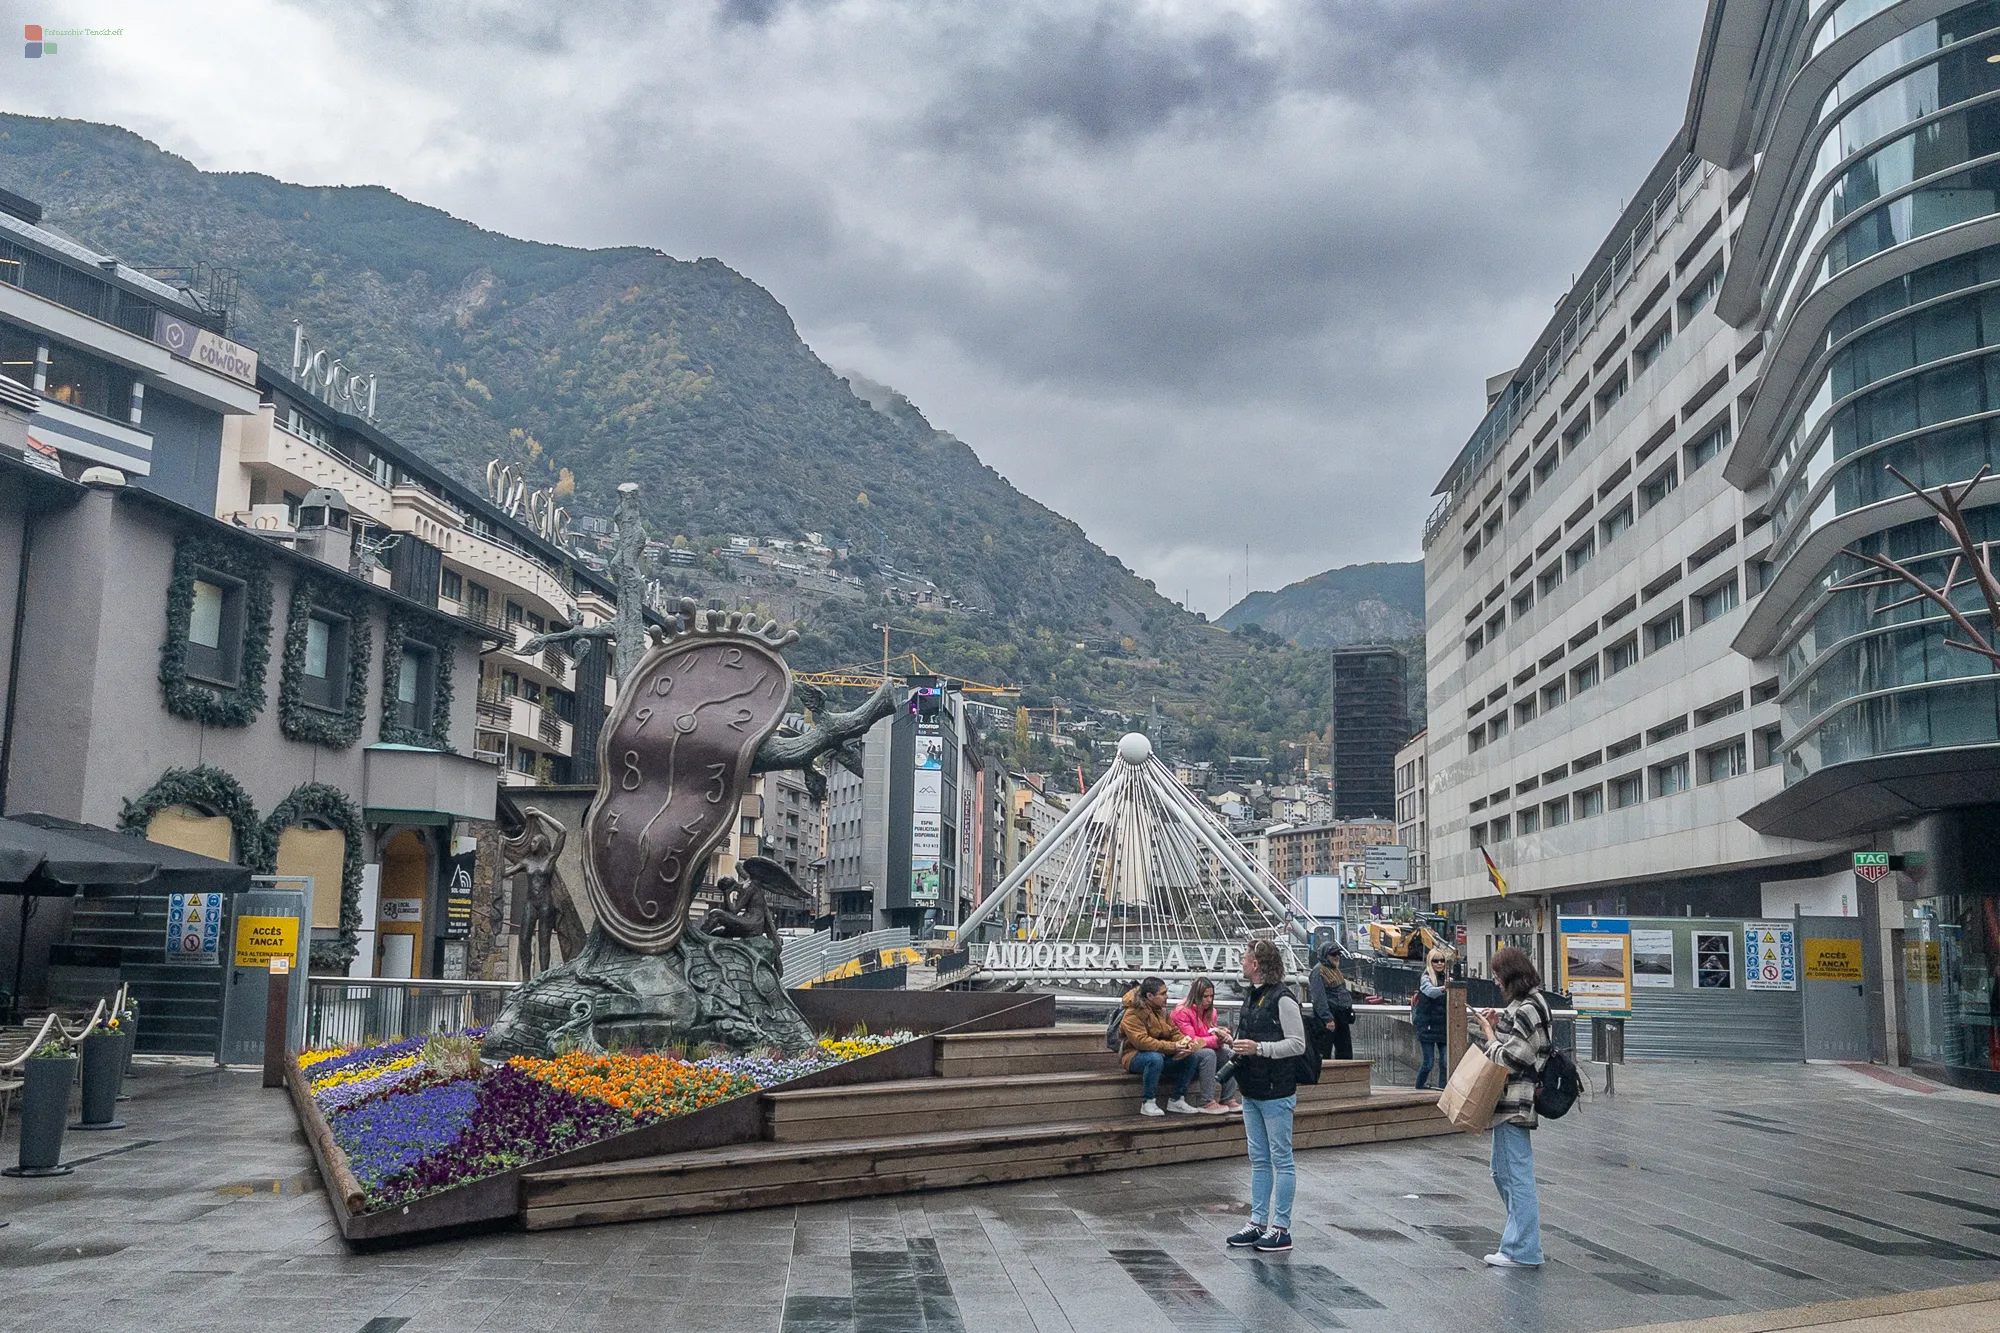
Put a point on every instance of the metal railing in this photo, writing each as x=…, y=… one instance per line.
x=350, y=1012
x=813, y=956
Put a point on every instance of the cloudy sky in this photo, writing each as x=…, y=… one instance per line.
x=1200, y=274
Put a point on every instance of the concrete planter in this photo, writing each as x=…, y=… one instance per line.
x=103, y=1062
x=44, y=1113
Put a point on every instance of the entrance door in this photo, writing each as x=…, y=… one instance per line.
x=399, y=908
x=399, y=950
x=1835, y=988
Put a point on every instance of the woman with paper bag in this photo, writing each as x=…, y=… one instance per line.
x=1515, y=1041
x=1474, y=1090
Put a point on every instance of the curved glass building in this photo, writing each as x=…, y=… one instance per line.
x=1805, y=304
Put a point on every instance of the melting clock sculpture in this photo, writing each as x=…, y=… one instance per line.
x=697, y=716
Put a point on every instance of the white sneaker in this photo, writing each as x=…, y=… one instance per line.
x=1498, y=1260
x=1150, y=1108
x=1179, y=1106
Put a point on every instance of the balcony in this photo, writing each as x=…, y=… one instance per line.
x=542, y=729
x=550, y=666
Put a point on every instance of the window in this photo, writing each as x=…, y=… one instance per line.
x=1490, y=529
x=1553, y=694
x=19, y=350
x=1581, y=554
x=1619, y=749
x=1496, y=623
x=1670, y=778
x=1700, y=292
x=1721, y=708
x=1475, y=739
x=1498, y=830
x=1659, y=486
x=1524, y=711
x=1661, y=632
x=1764, y=691
x=477, y=599
x=1627, y=791
x=82, y=380
x=1584, y=677
x=1524, y=602
x=1767, y=747
x=1555, y=813
x=1729, y=760
x=1545, y=466
x=1611, y=393
x=1517, y=499
x=515, y=612
x=1589, y=802
x=325, y=683
x=1496, y=726
x=1667, y=730
x=1471, y=550
x=1622, y=654
x=1616, y=521
x=215, y=630
x=415, y=677
x=1717, y=602
x=1474, y=642
x=1708, y=446
x=1528, y=820
x=1649, y=349
x=1549, y=579
x=1583, y=761
x=1758, y=573
x=451, y=584
x=1574, y=436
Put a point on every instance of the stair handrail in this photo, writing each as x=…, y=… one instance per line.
x=35, y=1042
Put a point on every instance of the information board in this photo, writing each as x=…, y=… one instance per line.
x=1833, y=960
x=194, y=928
x=1597, y=965
x=259, y=939
x=1653, y=958
x=1770, y=956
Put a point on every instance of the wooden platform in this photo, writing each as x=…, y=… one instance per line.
x=999, y=1107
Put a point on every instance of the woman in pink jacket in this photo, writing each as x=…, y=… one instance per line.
x=1196, y=1017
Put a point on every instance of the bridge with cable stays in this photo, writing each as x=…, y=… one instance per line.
x=1139, y=877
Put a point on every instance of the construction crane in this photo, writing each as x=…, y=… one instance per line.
x=1312, y=738
x=851, y=675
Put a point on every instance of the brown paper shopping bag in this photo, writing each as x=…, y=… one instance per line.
x=1473, y=1091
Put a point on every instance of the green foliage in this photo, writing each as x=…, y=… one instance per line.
x=330, y=807
x=213, y=791
x=298, y=719
x=453, y=1055
x=408, y=627
x=215, y=705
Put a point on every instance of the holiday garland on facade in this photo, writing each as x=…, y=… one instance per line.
x=215, y=705
x=436, y=636
x=303, y=721
x=210, y=790
x=330, y=807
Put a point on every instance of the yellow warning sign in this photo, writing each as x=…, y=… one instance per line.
x=259, y=939
x=1833, y=960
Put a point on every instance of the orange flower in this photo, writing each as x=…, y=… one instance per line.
x=645, y=1085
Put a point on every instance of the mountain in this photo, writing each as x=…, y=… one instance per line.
x=595, y=367
x=1375, y=603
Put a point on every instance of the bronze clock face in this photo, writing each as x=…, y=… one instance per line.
x=674, y=762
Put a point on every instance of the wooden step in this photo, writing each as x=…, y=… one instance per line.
x=767, y=1174
x=925, y=1105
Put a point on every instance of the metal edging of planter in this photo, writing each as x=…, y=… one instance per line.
x=492, y=1201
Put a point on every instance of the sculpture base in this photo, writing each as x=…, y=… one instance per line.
x=706, y=989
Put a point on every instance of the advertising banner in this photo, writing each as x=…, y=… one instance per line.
x=1770, y=956
x=1653, y=958
x=458, y=895
x=1597, y=965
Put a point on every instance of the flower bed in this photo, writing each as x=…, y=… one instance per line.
x=421, y=1115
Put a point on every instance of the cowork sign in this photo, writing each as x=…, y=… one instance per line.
x=191, y=342
x=329, y=379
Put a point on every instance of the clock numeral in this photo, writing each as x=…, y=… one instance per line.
x=733, y=658
x=644, y=715
x=741, y=720
x=717, y=783
x=662, y=685
x=670, y=869
x=632, y=778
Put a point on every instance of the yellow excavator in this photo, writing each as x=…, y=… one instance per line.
x=1409, y=940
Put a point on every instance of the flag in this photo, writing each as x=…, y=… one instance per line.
x=1493, y=873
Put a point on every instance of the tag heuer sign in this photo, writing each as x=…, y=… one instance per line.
x=204, y=348
x=1872, y=866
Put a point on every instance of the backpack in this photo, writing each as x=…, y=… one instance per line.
x=1114, y=1041
x=1560, y=1082
x=1305, y=1068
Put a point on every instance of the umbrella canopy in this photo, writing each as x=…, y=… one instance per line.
x=48, y=856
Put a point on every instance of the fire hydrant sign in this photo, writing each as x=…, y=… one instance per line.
x=1770, y=956
x=194, y=928
x=259, y=939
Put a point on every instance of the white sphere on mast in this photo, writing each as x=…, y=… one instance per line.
x=1135, y=749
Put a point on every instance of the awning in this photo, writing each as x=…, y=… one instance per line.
x=48, y=856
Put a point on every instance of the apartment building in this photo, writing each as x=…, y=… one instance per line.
x=1413, y=818
x=1370, y=723
x=1319, y=849
x=1662, y=684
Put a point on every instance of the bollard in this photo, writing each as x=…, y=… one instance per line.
x=1455, y=1018
x=277, y=1026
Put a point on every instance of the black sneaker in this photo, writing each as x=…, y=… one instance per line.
x=1244, y=1239
x=1274, y=1241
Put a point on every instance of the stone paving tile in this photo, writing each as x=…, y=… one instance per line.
x=1699, y=1190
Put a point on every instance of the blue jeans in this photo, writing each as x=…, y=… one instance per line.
x=1433, y=1059
x=1269, y=1125
x=1514, y=1174
x=1149, y=1065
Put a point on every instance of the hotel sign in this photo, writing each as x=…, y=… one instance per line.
x=191, y=342
x=329, y=379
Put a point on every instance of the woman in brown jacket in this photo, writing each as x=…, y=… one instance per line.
x=1153, y=1046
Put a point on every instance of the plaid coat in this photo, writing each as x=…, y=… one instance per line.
x=1521, y=1042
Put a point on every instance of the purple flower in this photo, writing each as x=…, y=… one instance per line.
x=370, y=1055
x=350, y=1095
x=383, y=1136
x=515, y=1119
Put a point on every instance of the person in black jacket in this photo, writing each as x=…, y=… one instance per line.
x=1270, y=1036
x=1333, y=1008
x=1427, y=1015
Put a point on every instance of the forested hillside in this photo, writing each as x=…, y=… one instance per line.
x=596, y=367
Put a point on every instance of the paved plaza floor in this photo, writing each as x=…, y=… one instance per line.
x=1700, y=1190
